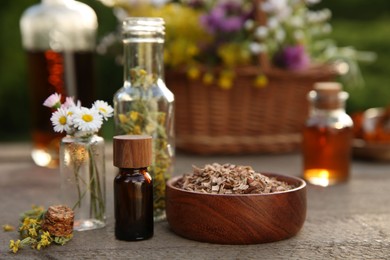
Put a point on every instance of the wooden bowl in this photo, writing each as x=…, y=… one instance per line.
x=237, y=218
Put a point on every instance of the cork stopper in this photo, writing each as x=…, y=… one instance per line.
x=132, y=151
x=328, y=95
x=58, y=221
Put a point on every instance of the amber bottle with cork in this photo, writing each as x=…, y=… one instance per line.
x=133, y=187
x=327, y=136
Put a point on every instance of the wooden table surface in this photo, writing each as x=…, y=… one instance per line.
x=348, y=221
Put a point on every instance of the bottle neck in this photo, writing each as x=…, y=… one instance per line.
x=132, y=171
x=143, y=40
x=326, y=112
x=327, y=102
x=136, y=172
x=143, y=55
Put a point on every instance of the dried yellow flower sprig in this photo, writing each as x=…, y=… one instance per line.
x=32, y=234
x=8, y=228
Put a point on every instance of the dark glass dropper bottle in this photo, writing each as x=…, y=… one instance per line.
x=133, y=188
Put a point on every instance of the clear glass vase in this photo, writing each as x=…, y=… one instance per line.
x=83, y=180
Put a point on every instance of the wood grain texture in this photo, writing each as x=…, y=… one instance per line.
x=132, y=151
x=237, y=219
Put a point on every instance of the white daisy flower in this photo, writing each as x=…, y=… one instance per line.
x=88, y=120
x=104, y=108
x=53, y=101
x=71, y=112
x=60, y=120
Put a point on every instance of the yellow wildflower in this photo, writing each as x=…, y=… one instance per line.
x=8, y=228
x=14, y=246
x=226, y=79
x=192, y=50
x=225, y=83
x=45, y=240
x=261, y=81
x=193, y=72
x=26, y=224
x=233, y=54
x=134, y=115
x=33, y=232
x=208, y=78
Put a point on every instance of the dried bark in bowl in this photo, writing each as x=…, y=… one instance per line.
x=237, y=218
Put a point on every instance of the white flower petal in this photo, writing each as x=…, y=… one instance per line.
x=87, y=120
x=104, y=108
x=60, y=120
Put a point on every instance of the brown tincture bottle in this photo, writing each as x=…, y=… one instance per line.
x=327, y=136
x=133, y=187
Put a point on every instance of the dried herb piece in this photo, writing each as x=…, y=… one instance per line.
x=230, y=179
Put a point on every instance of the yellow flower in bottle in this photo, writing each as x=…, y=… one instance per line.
x=161, y=118
x=150, y=128
x=134, y=115
x=123, y=119
x=137, y=130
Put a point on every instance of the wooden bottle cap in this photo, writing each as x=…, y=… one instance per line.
x=132, y=151
x=329, y=95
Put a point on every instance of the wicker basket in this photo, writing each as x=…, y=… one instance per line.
x=244, y=119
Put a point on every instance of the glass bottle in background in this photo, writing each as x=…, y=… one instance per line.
x=59, y=38
x=144, y=105
x=133, y=188
x=327, y=136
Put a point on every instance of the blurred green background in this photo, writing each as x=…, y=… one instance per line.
x=359, y=23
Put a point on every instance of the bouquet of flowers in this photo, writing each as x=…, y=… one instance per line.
x=75, y=120
x=202, y=35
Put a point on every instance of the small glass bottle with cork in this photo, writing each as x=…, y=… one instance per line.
x=327, y=136
x=133, y=188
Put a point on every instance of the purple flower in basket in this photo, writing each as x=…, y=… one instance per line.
x=227, y=16
x=292, y=58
